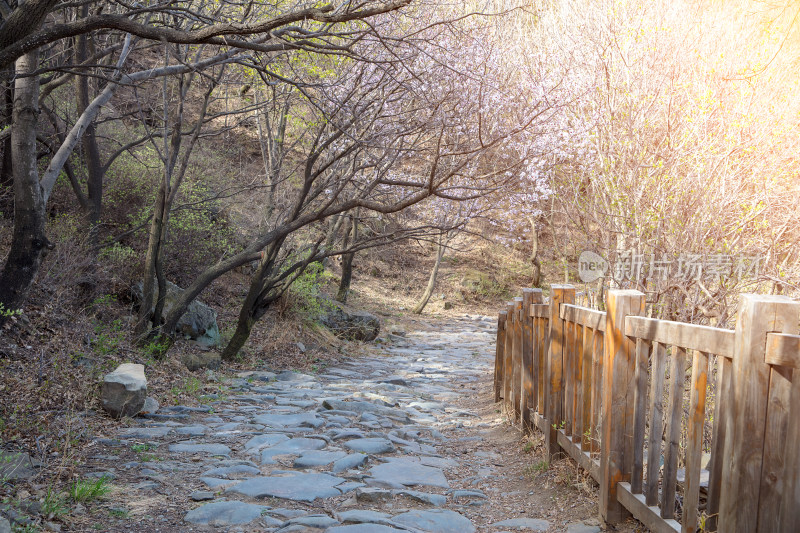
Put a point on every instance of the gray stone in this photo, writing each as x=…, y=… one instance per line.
x=146, y=433
x=400, y=472
x=217, y=483
x=201, y=496
x=124, y=390
x=361, y=516
x=435, y=521
x=299, y=487
x=355, y=325
x=17, y=465
x=469, y=494
x=231, y=472
x=529, y=524
x=374, y=445
x=151, y=405
x=193, y=447
x=437, y=500
x=580, y=527
x=290, y=420
x=373, y=495
x=194, y=431
x=5, y=527
x=227, y=513
x=199, y=322
x=313, y=458
x=365, y=528
x=293, y=446
x=362, y=407
x=262, y=441
x=354, y=460
x=198, y=361
x=314, y=520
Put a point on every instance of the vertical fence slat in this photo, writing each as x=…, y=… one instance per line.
x=656, y=423
x=694, y=441
x=543, y=348
x=507, y=355
x=586, y=393
x=529, y=296
x=677, y=375
x=747, y=427
x=498, y=356
x=598, y=343
x=639, y=413
x=617, y=434
x=516, y=377
x=722, y=403
x=577, y=358
x=569, y=376
x=790, y=512
x=555, y=365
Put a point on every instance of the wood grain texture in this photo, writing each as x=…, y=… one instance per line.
x=783, y=350
x=585, y=316
x=516, y=376
x=598, y=343
x=694, y=441
x=555, y=364
x=616, y=445
x=747, y=426
x=647, y=515
x=655, y=438
x=507, y=355
x=587, y=392
x=722, y=404
x=529, y=296
x=677, y=376
x=690, y=336
x=498, y=356
x=639, y=413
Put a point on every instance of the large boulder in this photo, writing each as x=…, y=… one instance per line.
x=199, y=322
x=124, y=390
x=351, y=325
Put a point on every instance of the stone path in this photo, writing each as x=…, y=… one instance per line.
x=365, y=446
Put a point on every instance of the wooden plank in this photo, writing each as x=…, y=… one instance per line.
x=694, y=441
x=775, y=434
x=677, y=375
x=528, y=297
x=555, y=364
x=790, y=509
x=598, y=345
x=544, y=349
x=722, y=404
x=647, y=515
x=639, y=413
x=540, y=310
x=586, y=394
x=616, y=444
x=783, y=350
x=498, y=356
x=583, y=459
x=748, y=426
x=690, y=336
x=540, y=422
x=516, y=378
x=659, y=365
x=535, y=355
x=507, y=355
x=584, y=316
x=569, y=376
x=577, y=359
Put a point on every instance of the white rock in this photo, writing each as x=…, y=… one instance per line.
x=124, y=390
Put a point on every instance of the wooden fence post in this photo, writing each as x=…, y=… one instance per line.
x=500, y=345
x=749, y=470
x=516, y=364
x=509, y=336
x=619, y=362
x=554, y=397
x=529, y=296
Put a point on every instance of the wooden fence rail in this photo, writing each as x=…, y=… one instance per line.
x=687, y=428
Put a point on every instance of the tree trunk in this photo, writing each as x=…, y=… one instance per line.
x=334, y=226
x=6, y=168
x=28, y=241
x=537, y=265
x=91, y=152
x=432, y=280
x=347, y=265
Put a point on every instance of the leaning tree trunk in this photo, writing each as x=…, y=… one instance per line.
x=347, y=265
x=432, y=280
x=537, y=265
x=28, y=241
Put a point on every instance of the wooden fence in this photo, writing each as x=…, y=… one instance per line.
x=612, y=390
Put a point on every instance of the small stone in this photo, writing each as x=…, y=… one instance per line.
x=192, y=447
x=201, y=496
x=580, y=527
x=226, y=513
x=370, y=445
x=354, y=460
x=436, y=521
x=197, y=361
x=373, y=495
x=437, y=500
x=124, y=390
x=299, y=487
x=151, y=405
x=5, y=527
